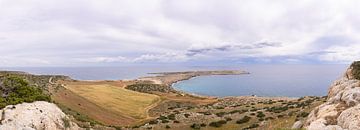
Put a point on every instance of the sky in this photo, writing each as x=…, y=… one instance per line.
x=193, y=32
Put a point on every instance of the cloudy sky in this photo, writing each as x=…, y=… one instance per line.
x=118, y=32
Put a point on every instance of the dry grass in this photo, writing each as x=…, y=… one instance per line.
x=73, y=102
x=106, y=101
x=116, y=99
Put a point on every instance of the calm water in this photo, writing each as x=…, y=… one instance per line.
x=264, y=80
x=268, y=80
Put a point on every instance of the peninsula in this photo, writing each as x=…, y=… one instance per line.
x=168, y=78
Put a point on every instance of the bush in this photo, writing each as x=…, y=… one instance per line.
x=195, y=126
x=153, y=122
x=220, y=114
x=167, y=127
x=203, y=125
x=260, y=115
x=245, y=119
x=217, y=123
x=356, y=69
x=235, y=111
x=280, y=116
x=303, y=114
x=165, y=121
x=228, y=119
x=253, y=126
x=171, y=117
x=16, y=90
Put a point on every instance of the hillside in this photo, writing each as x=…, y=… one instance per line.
x=342, y=108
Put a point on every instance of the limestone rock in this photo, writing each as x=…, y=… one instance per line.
x=38, y=115
x=341, y=111
x=297, y=125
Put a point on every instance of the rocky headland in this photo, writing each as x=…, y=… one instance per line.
x=168, y=78
x=341, y=111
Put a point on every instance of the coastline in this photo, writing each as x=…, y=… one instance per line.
x=171, y=78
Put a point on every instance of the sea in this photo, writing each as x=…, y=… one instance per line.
x=263, y=80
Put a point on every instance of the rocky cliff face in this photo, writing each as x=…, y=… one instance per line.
x=341, y=111
x=38, y=115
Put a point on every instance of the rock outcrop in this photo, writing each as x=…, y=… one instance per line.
x=341, y=111
x=38, y=115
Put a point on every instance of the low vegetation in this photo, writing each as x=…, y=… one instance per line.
x=149, y=88
x=356, y=69
x=16, y=90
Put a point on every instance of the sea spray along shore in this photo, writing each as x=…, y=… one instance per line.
x=151, y=103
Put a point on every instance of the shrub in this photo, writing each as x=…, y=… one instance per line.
x=220, y=114
x=234, y=111
x=171, y=117
x=245, y=119
x=260, y=115
x=195, y=126
x=167, y=127
x=162, y=117
x=66, y=122
x=269, y=118
x=205, y=113
x=303, y=114
x=217, y=123
x=153, y=122
x=203, y=125
x=228, y=119
x=253, y=126
x=165, y=121
x=280, y=116
x=356, y=69
x=16, y=90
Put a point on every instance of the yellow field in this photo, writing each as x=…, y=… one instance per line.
x=116, y=99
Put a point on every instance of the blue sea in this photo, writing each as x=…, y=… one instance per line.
x=263, y=80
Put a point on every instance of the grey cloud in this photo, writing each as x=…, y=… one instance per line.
x=62, y=30
x=321, y=52
x=192, y=52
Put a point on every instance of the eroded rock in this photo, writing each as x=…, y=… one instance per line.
x=38, y=115
x=342, y=109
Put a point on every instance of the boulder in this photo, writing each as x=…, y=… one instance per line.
x=297, y=125
x=38, y=115
x=341, y=111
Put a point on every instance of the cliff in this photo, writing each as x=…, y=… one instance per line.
x=38, y=115
x=341, y=111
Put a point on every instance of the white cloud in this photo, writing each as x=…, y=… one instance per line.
x=62, y=32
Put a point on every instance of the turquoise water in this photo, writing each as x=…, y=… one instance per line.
x=281, y=80
x=264, y=80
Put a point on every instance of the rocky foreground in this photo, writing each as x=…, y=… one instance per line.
x=38, y=115
x=342, y=109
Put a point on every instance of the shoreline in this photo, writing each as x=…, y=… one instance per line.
x=171, y=78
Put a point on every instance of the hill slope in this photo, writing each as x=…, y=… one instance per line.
x=342, y=109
